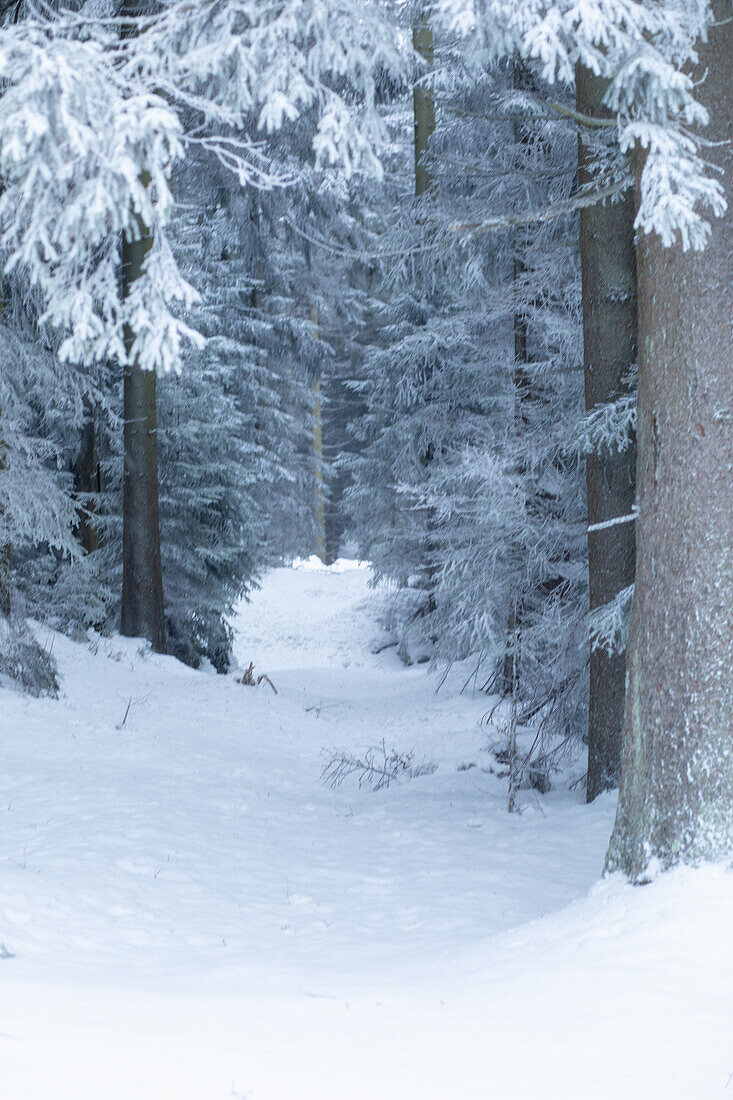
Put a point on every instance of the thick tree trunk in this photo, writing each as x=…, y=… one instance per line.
x=609, y=339
x=676, y=801
x=142, y=577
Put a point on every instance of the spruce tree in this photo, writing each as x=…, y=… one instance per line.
x=677, y=767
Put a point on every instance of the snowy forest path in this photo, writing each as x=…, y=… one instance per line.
x=171, y=853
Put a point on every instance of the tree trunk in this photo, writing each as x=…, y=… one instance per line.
x=5, y=562
x=510, y=665
x=319, y=510
x=608, y=266
x=87, y=480
x=423, y=102
x=320, y=502
x=509, y=683
x=423, y=108
x=142, y=577
x=5, y=588
x=676, y=801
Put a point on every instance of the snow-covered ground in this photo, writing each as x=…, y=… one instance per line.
x=188, y=911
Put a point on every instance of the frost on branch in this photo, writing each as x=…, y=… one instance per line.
x=642, y=47
x=610, y=426
x=84, y=159
x=23, y=660
x=609, y=625
x=376, y=768
x=92, y=125
x=254, y=67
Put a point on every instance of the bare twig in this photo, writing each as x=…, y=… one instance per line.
x=377, y=768
x=582, y=119
x=127, y=711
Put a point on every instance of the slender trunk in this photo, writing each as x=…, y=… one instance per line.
x=608, y=266
x=520, y=331
x=142, y=577
x=423, y=108
x=87, y=481
x=320, y=503
x=5, y=557
x=5, y=589
x=510, y=668
x=423, y=102
x=676, y=800
x=320, y=488
x=5, y=561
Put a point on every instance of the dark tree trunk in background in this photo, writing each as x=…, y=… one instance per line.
x=509, y=676
x=319, y=504
x=609, y=339
x=676, y=800
x=5, y=590
x=423, y=108
x=87, y=481
x=520, y=331
x=142, y=577
x=5, y=550
x=423, y=102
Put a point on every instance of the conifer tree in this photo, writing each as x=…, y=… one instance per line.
x=677, y=768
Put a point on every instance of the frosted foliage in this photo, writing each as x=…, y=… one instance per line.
x=34, y=506
x=84, y=158
x=91, y=125
x=239, y=60
x=609, y=624
x=467, y=493
x=611, y=426
x=643, y=49
x=22, y=659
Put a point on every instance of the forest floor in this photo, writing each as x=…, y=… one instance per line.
x=189, y=912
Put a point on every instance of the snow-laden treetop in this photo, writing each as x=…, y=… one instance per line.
x=95, y=112
x=645, y=49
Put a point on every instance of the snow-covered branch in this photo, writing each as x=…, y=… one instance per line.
x=93, y=121
x=644, y=48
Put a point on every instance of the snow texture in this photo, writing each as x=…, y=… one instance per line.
x=187, y=911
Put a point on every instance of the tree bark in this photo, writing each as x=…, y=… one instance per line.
x=5, y=548
x=509, y=683
x=510, y=665
x=319, y=509
x=423, y=108
x=608, y=264
x=87, y=480
x=423, y=102
x=142, y=576
x=676, y=800
x=5, y=561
